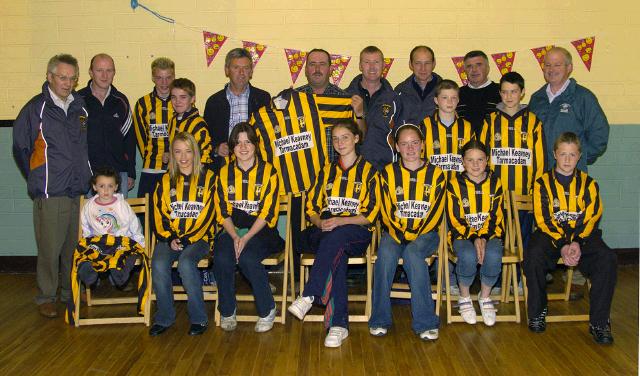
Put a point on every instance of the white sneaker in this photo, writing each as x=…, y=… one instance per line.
x=466, y=310
x=229, y=324
x=265, y=324
x=430, y=334
x=488, y=310
x=301, y=306
x=378, y=332
x=335, y=336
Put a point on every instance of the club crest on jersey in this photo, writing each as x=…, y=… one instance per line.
x=231, y=190
x=427, y=188
x=497, y=137
x=172, y=192
x=200, y=191
x=152, y=115
x=302, y=121
x=83, y=122
x=357, y=187
x=436, y=144
x=258, y=189
x=460, y=143
x=399, y=191
x=276, y=129
x=329, y=186
x=523, y=136
x=556, y=203
x=386, y=108
x=465, y=203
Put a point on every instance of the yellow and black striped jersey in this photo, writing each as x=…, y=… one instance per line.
x=192, y=123
x=442, y=143
x=333, y=108
x=254, y=191
x=151, y=123
x=345, y=192
x=412, y=202
x=567, y=213
x=293, y=139
x=516, y=147
x=184, y=209
x=475, y=209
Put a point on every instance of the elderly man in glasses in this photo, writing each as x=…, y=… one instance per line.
x=50, y=148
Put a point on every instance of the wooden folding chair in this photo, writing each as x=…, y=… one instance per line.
x=307, y=260
x=525, y=202
x=400, y=290
x=273, y=260
x=139, y=206
x=510, y=259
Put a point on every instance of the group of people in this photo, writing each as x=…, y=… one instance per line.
x=403, y=158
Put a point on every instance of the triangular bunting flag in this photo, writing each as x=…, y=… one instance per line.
x=387, y=65
x=212, y=44
x=296, y=59
x=504, y=61
x=539, y=54
x=585, y=50
x=458, y=62
x=339, y=64
x=255, y=49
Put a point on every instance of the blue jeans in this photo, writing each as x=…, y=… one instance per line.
x=188, y=258
x=414, y=255
x=250, y=263
x=468, y=262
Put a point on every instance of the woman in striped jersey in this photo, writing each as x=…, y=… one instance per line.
x=475, y=214
x=246, y=201
x=182, y=214
x=412, y=192
x=567, y=209
x=342, y=206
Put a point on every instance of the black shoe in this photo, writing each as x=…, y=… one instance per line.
x=156, y=330
x=538, y=324
x=197, y=329
x=601, y=334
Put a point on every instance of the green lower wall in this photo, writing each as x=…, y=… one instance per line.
x=617, y=173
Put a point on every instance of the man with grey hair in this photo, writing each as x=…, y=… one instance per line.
x=233, y=104
x=50, y=148
x=564, y=106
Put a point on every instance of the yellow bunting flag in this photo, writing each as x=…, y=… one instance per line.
x=540, y=52
x=339, y=64
x=458, y=62
x=296, y=59
x=212, y=44
x=504, y=61
x=255, y=49
x=585, y=50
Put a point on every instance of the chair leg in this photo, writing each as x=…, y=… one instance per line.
x=447, y=284
x=526, y=295
x=88, y=291
x=439, y=287
x=516, y=294
x=76, y=312
x=367, y=306
x=567, y=288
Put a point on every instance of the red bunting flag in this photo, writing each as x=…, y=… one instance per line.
x=539, y=53
x=387, y=65
x=339, y=64
x=296, y=59
x=504, y=61
x=585, y=50
x=458, y=62
x=212, y=44
x=255, y=49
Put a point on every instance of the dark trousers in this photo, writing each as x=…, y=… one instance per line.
x=250, y=264
x=597, y=262
x=328, y=277
x=296, y=229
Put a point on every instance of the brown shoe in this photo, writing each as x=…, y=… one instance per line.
x=48, y=310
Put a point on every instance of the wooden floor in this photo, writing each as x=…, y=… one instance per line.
x=32, y=345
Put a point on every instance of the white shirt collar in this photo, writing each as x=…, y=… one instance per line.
x=480, y=86
x=553, y=96
x=63, y=104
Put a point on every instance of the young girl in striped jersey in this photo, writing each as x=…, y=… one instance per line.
x=182, y=216
x=475, y=215
x=342, y=206
x=246, y=201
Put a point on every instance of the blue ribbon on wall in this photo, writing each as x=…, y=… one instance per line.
x=135, y=4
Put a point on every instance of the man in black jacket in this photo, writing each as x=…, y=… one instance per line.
x=233, y=104
x=110, y=136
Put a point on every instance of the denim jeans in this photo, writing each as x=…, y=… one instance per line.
x=413, y=255
x=468, y=262
x=250, y=263
x=188, y=258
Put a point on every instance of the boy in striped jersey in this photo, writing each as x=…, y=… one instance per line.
x=151, y=123
x=567, y=209
x=186, y=118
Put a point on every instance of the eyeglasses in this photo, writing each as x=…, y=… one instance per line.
x=65, y=78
